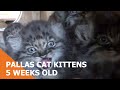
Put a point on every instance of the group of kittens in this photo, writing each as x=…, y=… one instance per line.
x=91, y=36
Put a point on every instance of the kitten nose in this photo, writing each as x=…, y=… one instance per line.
x=43, y=56
x=44, y=53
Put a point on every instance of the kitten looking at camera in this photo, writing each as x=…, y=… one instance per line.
x=41, y=41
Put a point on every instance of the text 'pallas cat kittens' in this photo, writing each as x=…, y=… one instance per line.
x=78, y=36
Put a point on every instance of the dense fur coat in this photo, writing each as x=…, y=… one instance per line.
x=96, y=38
x=39, y=41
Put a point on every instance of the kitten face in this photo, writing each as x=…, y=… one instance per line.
x=43, y=42
x=107, y=36
x=103, y=46
x=40, y=42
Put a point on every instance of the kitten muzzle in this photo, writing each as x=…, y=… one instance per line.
x=46, y=61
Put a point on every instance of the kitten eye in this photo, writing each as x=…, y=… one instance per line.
x=103, y=40
x=31, y=50
x=51, y=44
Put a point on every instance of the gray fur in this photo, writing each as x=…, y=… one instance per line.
x=37, y=35
x=100, y=46
x=12, y=38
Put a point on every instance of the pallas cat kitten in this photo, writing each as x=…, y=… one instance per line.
x=41, y=41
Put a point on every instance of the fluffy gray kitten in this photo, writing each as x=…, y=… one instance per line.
x=39, y=41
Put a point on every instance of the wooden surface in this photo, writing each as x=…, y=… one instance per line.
x=45, y=15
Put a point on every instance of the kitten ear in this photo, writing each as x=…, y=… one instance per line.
x=12, y=37
x=58, y=30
